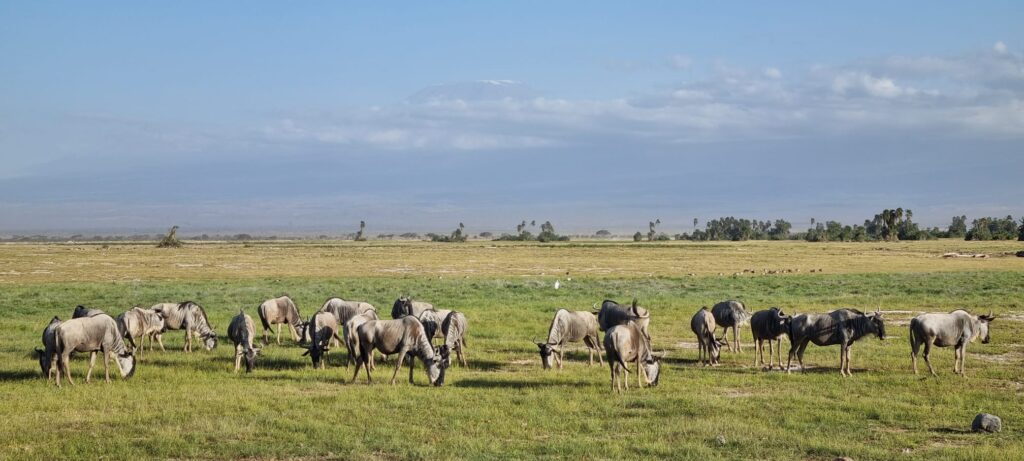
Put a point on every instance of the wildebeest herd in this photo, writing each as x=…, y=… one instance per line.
x=414, y=326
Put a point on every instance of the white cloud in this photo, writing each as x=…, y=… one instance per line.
x=680, y=61
x=772, y=73
x=999, y=47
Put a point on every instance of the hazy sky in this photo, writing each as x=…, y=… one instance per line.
x=308, y=117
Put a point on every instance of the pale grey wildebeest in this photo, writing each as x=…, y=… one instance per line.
x=406, y=306
x=277, y=311
x=454, y=329
x=343, y=312
x=730, y=314
x=957, y=329
x=613, y=313
x=431, y=320
x=142, y=323
x=627, y=343
x=570, y=327
x=709, y=348
x=400, y=336
x=92, y=334
x=768, y=325
x=47, y=354
x=241, y=331
x=352, y=339
x=190, y=317
x=322, y=329
x=842, y=327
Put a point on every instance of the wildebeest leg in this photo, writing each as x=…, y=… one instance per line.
x=238, y=357
x=963, y=355
x=106, y=366
x=793, y=347
x=849, y=347
x=758, y=347
x=412, y=361
x=398, y=365
x=160, y=339
x=914, y=347
x=279, y=334
x=64, y=365
x=928, y=353
x=354, y=375
x=736, y=338
x=611, y=365
x=92, y=363
x=800, y=355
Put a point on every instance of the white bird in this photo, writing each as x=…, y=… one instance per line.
x=557, y=284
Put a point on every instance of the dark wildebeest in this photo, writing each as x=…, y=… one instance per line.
x=190, y=317
x=454, y=329
x=627, y=343
x=768, y=325
x=82, y=311
x=277, y=311
x=730, y=314
x=321, y=330
x=957, y=329
x=49, y=350
x=241, y=331
x=94, y=334
x=406, y=306
x=613, y=313
x=709, y=348
x=570, y=327
x=842, y=327
x=400, y=336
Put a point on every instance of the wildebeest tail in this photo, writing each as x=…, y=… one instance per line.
x=263, y=317
x=913, y=341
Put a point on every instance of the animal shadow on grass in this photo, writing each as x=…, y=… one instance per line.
x=19, y=375
x=950, y=430
x=484, y=383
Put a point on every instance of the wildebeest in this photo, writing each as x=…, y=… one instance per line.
x=627, y=343
x=190, y=317
x=352, y=339
x=570, y=327
x=842, y=327
x=613, y=313
x=140, y=323
x=400, y=336
x=277, y=311
x=321, y=329
x=48, y=352
x=768, y=325
x=708, y=347
x=431, y=320
x=92, y=334
x=241, y=331
x=957, y=328
x=406, y=306
x=82, y=311
x=453, y=328
x=730, y=314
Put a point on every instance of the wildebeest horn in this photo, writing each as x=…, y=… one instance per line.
x=634, y=302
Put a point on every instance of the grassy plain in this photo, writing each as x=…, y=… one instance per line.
x=504, y=406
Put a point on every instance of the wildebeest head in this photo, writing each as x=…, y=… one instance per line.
x=250, y=359
x=546, y=351
x=44, y=365
x=984, y=320
x=436, y=369
x=716, y=348
x=877, y=324
x=445, y=353
x=316, y=352
x=304, y=332
x=210, y=340
x=652, y=367
x=126, y=364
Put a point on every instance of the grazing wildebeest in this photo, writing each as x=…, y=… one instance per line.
x=613, y=313
x=140, y=323
x=730, y=314
x=82, y=311
x=842, y=327
x=431, y=320
x=277, y=311
x=92, y=334
x=352, y=339
x=321, y=329
x=400, y=336
x=957, y=328
x=454, y=330
x=709, y=348
x=49, y=350
x=627, y=343
x=241, y=331
x=345, y=310
x=190, y=317
x=768, y=325
x=570, y=327
x=406, y=306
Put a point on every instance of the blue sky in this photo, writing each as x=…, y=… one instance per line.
x=253, y=116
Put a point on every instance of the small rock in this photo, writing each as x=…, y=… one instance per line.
x=720, y=440
x=985, y=422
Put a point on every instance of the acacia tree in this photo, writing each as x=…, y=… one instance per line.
x=359, y=235
x=652, y=225
x=171, y=239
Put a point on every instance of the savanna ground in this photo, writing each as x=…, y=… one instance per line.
x=504, y=406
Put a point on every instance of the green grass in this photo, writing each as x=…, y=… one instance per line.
x=505, y=406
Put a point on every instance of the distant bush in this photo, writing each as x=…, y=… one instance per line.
x=486, y=235
x=170, y=240
x=638, y=236
x=993, y=229
x=603, y=233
